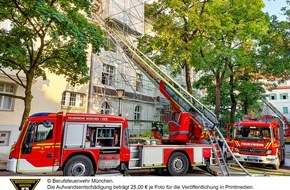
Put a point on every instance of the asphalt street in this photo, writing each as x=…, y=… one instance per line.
x=284, y=170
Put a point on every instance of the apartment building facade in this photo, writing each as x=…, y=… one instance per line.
x=279, y=97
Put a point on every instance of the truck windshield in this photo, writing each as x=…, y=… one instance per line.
x=252, y=133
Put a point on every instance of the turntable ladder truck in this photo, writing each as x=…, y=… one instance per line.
x=201, y=117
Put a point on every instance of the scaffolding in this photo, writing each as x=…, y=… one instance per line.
x=128, y=16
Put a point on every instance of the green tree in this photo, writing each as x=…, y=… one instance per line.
x=175, y=25
x=213, y=37
x=274, y=50
x=207, y=82
x=249, y=93
x=227, y=48
x=46, y=35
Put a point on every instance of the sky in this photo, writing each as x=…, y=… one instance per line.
x=273, y=7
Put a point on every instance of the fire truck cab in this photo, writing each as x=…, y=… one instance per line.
x=79, y=144
x=258, y=141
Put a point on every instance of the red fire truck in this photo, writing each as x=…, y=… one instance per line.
x=258, y=141
x=81, y=144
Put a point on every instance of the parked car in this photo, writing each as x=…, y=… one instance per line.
x=143, y=140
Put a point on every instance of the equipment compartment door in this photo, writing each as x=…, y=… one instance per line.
x=38, y=148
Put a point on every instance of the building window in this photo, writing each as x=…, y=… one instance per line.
x=285, y=110
x=273, y=97
x=284, y=96
x=43, y=132
x=73, y=99
x=4, y=138
x=106, y=108
x=138, y=82
x=107, y=75
x=6, y=103
x=137, y=114
x=111, y=44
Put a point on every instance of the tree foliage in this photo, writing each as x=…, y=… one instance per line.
x=227, y=48
x=46, y=35
x=219, y=39
x=274, y=50
x=175, y=25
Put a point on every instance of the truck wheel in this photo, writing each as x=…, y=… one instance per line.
x=283, y=158
x=78, y=165
x=177, y=164
x=276, y=166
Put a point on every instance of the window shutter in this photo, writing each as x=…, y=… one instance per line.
x=78, y=100
x=67, y=98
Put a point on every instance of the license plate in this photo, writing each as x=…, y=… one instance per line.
x=252, y=158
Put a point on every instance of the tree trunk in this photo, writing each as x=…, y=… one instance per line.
x=188, y=76
x=233, y=100
x=27, y=100
x=246, y=106
x=218, y=97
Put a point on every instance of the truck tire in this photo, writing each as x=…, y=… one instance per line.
x=283, y=158
x=276, y=166
x=78, y=165
x=177, y=164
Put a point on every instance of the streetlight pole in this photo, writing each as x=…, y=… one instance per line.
x=120, y=93
x=90, y=93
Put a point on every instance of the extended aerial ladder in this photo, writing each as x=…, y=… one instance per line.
x=176, y=94
x=285, y=122
x=180, y=99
